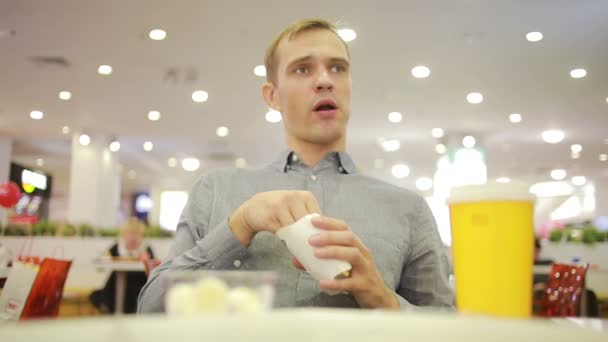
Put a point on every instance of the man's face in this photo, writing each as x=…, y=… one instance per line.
x=313, y=87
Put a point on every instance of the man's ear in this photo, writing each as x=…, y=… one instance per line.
x=269, y=92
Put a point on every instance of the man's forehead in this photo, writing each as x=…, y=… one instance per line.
x=314, y=43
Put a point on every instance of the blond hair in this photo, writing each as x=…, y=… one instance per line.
x=270, y=59
x=134, y=225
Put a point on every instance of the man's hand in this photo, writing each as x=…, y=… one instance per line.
x=365, y=282
x=270, y=211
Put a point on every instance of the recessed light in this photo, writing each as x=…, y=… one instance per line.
x=579, y=180
x=576, y=148
x=400, y=171
x=390, y=145
x=104, y=70
x=534, y=36
x=222, y=131
x=260, y=71
x=421, y=71
x=115, y=146
x=84, y=139
x=191, y=164
x=424, y=183
x=148, y=146
x=65, y=95
x=131, y=174
x=36, y=115
x=515, y=118
x=200, y=96
x=474, y=98
x=553, y=136
x=440, y=148
x=153, y=115
x=157, y=34
x=395, y=117
x=503, y=180
x=240, y=163
x=172, y=162
x=578, y=73
x=273, y=116
x=469, y=141
x=40, y=162
x=558, y=174
x=603, y=157
x=437, y=133
x=348, y=35
x=65, y=130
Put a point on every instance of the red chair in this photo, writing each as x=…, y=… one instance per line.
x=45, y=296
x=565, y=287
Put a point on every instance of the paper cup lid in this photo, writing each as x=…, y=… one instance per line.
x=491, y=191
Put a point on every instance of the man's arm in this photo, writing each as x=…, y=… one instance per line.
x=196, y=246
x=425, y=275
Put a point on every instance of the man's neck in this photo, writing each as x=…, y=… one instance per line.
x=312, y=154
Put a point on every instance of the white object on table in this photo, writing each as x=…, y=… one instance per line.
x=306, y=325
x=121, y=268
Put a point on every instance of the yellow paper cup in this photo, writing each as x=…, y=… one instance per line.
x=493, y=245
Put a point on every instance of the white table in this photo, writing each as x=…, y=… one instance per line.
x=307, y=325
x=121, y=268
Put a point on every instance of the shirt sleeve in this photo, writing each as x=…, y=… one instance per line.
x=425, y=275
x=196, y=246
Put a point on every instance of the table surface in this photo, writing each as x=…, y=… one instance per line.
x=296, y=325
x=118, y=265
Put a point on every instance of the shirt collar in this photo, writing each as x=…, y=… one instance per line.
x=342, y=160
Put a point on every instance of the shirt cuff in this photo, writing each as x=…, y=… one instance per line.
x=220, y=248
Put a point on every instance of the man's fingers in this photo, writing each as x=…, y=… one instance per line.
x=329, y=223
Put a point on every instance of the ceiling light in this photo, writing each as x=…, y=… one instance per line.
x=474, y=98
x=115, y=146
x=469, y=141
x=65, y=95
x=36, y=115
x=240, y=163
x=390, y=145
x=157, y=34
x=273, y=116
x=558, y=174
x=553, y=136
x=424, y=183
x=603, y=157
x=104, y=70
x=65, y=130
x=400, y=171
x=534, y=36
x=378, y=163
x=148, y=146
x=260, y=71
x=578, y=73
x=200, y=96
x=40, y=162
x=84, y=139
x=172, y=162
x=395, y=117
x=347, y=34
x=222, y=131
x=515, y=118
x=440, y=148
x=437, y=133
x=579, y=180
x=551, y=189
x=421, y=71
x=191, y=164
x=503, y=180
x=576, y=148
x=131, y=174
x=153, y=115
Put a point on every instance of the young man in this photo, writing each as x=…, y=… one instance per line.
x=386, y=233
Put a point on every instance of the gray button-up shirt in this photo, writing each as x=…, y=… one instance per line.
x=394, y=223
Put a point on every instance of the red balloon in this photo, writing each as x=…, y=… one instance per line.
x=9, y=194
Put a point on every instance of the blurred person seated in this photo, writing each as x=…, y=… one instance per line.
x=130, y=246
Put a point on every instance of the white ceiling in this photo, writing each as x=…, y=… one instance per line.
x=469, y=45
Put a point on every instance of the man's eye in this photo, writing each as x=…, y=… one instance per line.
x=338, y=68
x=301, y=70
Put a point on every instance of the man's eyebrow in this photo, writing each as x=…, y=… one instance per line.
x=309, y=57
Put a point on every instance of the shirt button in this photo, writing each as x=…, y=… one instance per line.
x=313, y=177
x=237, y=263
